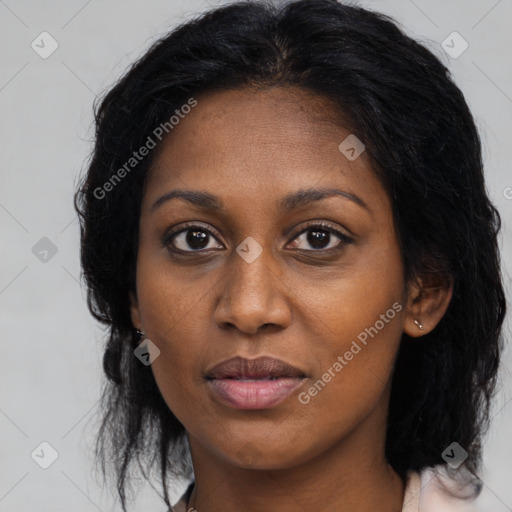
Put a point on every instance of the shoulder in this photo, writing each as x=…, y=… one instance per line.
x=441, y=489
x=431, y=490
x=181, y=505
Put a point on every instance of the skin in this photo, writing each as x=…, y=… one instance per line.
x=297, y=302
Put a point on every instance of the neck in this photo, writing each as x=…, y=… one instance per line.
x=349, y=476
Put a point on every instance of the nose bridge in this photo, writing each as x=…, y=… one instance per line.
x=252, y=295
x=250, y=274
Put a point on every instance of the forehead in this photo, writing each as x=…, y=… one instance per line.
x=260, y=144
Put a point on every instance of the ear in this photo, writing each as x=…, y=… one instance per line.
x=427, y=302
x=135, y=313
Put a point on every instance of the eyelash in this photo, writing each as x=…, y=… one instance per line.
x=344, y=239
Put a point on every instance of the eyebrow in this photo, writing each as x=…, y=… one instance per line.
x=294, y=200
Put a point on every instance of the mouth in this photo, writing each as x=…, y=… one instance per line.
x=260, y=383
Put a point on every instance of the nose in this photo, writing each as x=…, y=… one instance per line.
x=254, y=296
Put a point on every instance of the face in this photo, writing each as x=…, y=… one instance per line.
x=315, y=280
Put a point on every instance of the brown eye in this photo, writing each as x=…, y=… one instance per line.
x=319, y=237
x=194, y=238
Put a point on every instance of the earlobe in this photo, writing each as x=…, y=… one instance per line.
x=428, y=300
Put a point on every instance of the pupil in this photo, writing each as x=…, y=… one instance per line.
x=197, y=239
x=318, y=238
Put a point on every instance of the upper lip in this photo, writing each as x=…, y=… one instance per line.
x=241, y=368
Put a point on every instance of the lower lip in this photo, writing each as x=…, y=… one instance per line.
x=255, y=394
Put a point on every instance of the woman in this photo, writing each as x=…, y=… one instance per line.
x=286, y=230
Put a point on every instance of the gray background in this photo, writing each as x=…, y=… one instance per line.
x=50, y=369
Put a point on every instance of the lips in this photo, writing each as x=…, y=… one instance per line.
x=260, y=368
x=259, y=383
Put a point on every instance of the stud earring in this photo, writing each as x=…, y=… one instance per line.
x=418, y=324
x=139, y=334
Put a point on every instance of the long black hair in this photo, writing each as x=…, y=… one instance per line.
x=400, y=100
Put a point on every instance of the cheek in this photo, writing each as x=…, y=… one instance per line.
x=361, y=330
x=359, y=296
x=167, y=293
x=169, y=314
x=356, y=367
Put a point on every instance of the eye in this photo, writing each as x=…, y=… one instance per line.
x=193, y=238
x=196, y=238
x=319, y=235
